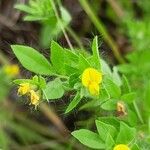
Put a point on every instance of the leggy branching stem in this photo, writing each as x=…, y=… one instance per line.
x=75, y=37
x=102, y=30
x=71, y=32
x=61, y=24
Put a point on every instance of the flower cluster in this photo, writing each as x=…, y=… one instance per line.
x=91, y=78
x=28, y=89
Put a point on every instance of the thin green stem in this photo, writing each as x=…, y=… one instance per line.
x=138, y=112
x=61, y=24
x=60, y=76
x=117, y=8
x=76, y=38
x=71, y=32
x=102, y=30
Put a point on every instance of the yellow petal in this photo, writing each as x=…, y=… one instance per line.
x=86, y=77
x=24, y=88
x=121, y=147
x=95, y=76
x=94, y=88
x=34, y=97
x=91, y=75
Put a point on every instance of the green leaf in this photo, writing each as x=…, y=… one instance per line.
x=48, y=32
x=135, y=147
x=116, y=76
x=73, y=79
x=127, y=68
x=110, y=104
x=19, y=81
x=71, y=62
x=104, y=95
x=105, y=129
x=96, y=56
x=71, y=58
x=125, y=85
x=54, y=90
x=74, y=102
x=24, y=8
x=109, y=142
x=66, y=18
x=129, y=97
x=112, y=88
x=131, y=118
x=70, y=70
x=111, y=121
x=89, y=138
x=57, y=57
x=126, y=134
x=105, y=68
x=42, y=82
x=33, y=18
x=37, y=10
x=32, y=59
x=90, y=104
x=83, y=63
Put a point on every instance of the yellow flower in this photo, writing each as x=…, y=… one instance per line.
x=12, y=70
x=121, y=147
x=24, y=88
x=34, y=97
x=91, y=78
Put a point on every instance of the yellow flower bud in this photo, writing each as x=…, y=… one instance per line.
x=121, y=110
x=121, y=147
x=91, y=78
x=24, y=88
x=12, y=70
x=34, y=97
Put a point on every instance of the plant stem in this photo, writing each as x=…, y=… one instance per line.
x=117, y=8
x=102, y=30
x=61, y=24
x=76, y=38
x=138, y=112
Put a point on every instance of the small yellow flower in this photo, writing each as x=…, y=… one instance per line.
x=24, y=88
x=121, y=147
x=91, y=78
x=12, y=70
x=34, y=97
